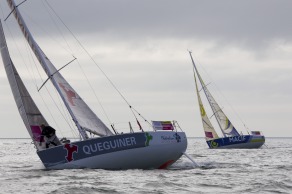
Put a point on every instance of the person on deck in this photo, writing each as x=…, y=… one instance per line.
x=49, y=135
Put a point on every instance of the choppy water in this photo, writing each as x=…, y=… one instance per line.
x=266, y=170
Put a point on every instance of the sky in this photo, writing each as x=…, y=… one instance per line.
x=242, y=50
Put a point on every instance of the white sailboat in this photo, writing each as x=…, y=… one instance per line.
x=143, y=150
x=231, y=139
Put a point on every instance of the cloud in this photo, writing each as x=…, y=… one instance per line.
x=251, y=24
x=142, y=46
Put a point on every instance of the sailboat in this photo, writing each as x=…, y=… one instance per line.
x=156, y=149
x=232, y=138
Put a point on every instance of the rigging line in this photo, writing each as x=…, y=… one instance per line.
x=210, y=126
x=31, y=72
x=14, y=9
x=99, y=102
x=206, y=92
x=215, y=112
x=238, y=116
x=44, y=31
x=70, y=52
x=39, y=74
x=142, y=116
x=62, y=112
x=35, y=82
x=90, y=85
x=50, y=112
x=28, y=69
x=66, y=119
x=219, y=91
x=32, y=58
x=52, y=98
x=177, y=125
x=18, y=50
x=56, y=72
x=55, y=23
x=113, y=85
x=203, y=88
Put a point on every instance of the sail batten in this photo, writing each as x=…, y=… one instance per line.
x=224, y=123
x=81, y=114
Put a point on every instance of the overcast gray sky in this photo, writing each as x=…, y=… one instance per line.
x=242, y=48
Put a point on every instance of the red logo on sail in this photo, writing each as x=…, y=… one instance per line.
x=70, y=150
x=70, y=94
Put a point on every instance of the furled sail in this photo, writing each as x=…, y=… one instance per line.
x=84, y=118
x=226, y=126
x=29, y=112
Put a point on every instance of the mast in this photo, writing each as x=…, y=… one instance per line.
x=225, y=125
x=43, y=59
x=210, y=132
x=204, y=88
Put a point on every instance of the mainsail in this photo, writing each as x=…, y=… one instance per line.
x=226, y=126
x=84, y=118
x=210, y=132
x=29, y=112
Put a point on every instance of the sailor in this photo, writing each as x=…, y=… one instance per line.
x=49, y=135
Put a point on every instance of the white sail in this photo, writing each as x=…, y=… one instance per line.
x=29, y=112
x=209, y=130
x=82, y=115
x=226, y=126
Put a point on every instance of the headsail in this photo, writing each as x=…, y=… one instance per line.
x=210, y=132
x=226, y=126
x=29, y=112
x=84, y=118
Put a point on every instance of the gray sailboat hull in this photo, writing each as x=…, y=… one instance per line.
x=144, y=150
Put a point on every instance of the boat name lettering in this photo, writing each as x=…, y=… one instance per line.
x=236, y=138
x=107, y=145
x=174, y=138
x=167, y=138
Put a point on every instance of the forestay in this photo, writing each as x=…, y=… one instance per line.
x=82, y=115
x=226, y=126
x=209, y=130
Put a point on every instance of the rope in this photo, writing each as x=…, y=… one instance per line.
x=31, y=72
x=89, y=55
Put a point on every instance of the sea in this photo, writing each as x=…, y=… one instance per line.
x=265, y=170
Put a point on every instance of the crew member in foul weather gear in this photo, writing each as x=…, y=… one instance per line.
x=49, y=135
